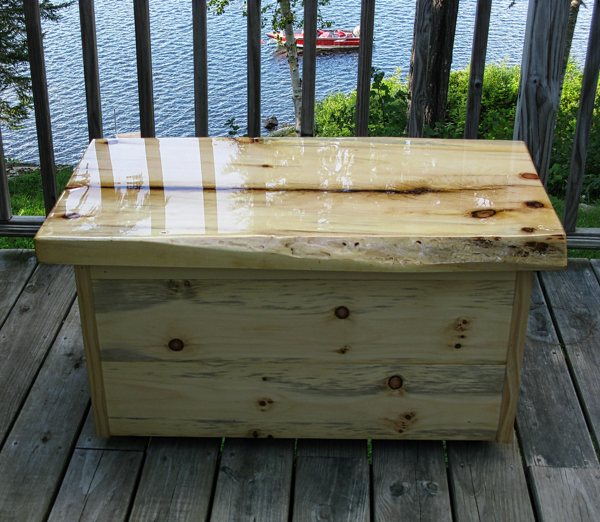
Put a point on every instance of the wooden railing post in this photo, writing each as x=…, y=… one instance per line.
x=365, y=57
x=5, y=209
x=91, y=74
x=309, y=68
x=199, y=31
x=477, y=67
x=40, y=101
x=537, y=105
x=141, y=12
x=584, y=122
x=418, y=66
x=253, y=43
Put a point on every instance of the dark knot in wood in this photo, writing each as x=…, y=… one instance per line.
x=342, y=312
x=176, y=345
x=395, y=382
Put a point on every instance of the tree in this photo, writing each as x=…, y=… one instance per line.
x=283, y=17
x=433, y=40
x=15, y=84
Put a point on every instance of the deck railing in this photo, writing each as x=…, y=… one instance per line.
x=536, y=108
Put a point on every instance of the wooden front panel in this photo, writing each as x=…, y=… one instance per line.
x=414, y=358
x=429, y=320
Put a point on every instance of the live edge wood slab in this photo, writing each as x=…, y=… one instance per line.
x=344, y=288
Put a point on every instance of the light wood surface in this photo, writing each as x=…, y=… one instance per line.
x=516, y=345
x=92, y=348
x=432, y=319
x=262, y=397
x=378, y=204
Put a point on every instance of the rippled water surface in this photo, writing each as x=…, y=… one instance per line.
x=172, y=65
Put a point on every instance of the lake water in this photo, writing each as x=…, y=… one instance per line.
x=172, y=65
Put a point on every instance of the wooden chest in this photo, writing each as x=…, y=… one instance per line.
x=347, y=288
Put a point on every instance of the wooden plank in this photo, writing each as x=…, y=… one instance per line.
x=254, y=481
x=41, y=104
x=91, y=74
x=539, y=93
x=292, y=398
x=566, y=494
x=418, y=67
x=440, y=205
x=589, y=86
x=309, y=68
x=410, y=482
x=447, y=322
x=365, y=57
x=98, y=486
x=487, y=482
x=516, y=346
x=16, y=267
x=92, y=349
x=200, y=32
x=39, y=445
x=477, y=67
x=21, y=226
x=28, y=333
x=177, y=480
x=141, y=12
x=253, y=8
x=5, y=208
x=89, y=440
x=574, y=296
x=331, y=481
x=551, y=426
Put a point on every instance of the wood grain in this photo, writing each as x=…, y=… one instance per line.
x=141, y=11
x=16, y=267
x=98, y=486
x=429, y=321
x=254, y=481
x=253, y=18
x=386, y=204
x=28, y=333
x=261, y=397
x=87, y=20
x=477, y=67
x=331, y=482
x=539, y=92
x=45, y=429
x=409, y=482
x=365, y=59
x=200, y=37
x=589, y=85
x=551, y=425
x=516, y=345
x=5, y=207
x=92, y=349
x=566, y=493
x=177, y=480
x=487, y=482
x=88, y=439
x=575, y=300
x=41, y=104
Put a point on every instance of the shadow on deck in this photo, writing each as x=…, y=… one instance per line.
x=52, y=467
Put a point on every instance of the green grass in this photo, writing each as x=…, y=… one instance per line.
x=27, y=200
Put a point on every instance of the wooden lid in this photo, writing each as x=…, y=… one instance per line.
x=364, y=204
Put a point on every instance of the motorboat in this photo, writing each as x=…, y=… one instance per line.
x=327, y=39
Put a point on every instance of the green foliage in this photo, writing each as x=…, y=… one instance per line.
x=335, y=116
x=15, y=84
x=388, y=105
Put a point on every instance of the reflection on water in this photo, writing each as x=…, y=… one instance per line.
x=182, y=187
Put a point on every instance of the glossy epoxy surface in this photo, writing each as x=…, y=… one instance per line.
x=349, y=204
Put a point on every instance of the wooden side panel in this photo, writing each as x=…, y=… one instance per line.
x=518, y=333
x=287, y=398
x=431, y=320
x=92, y=351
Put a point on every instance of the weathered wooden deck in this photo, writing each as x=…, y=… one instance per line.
x=52, y=467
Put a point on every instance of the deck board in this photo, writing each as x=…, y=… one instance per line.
x=50, y=446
